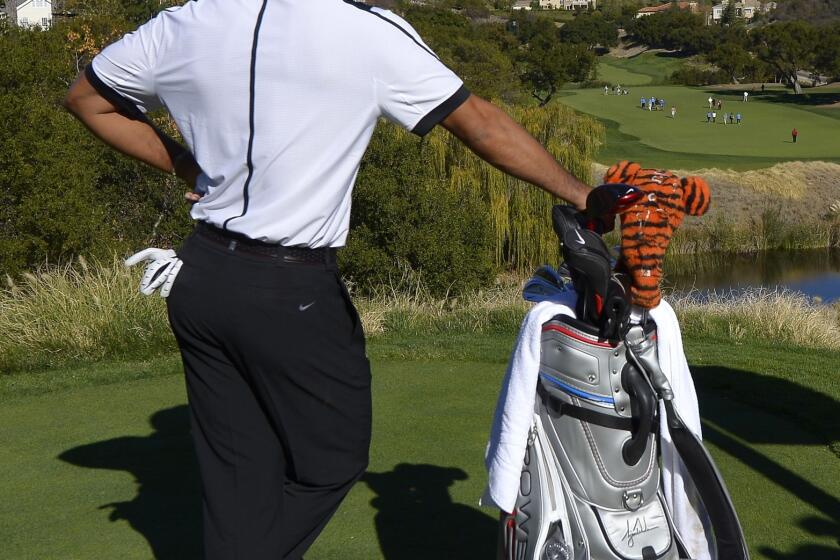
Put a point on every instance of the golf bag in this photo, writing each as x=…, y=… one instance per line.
x=590, y=487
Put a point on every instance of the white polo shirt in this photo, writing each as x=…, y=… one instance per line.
x=277, y=100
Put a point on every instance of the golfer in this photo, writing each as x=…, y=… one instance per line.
x=277, y=102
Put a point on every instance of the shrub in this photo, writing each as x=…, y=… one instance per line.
x=62, y=192
x=403, y=215
x=693, y=76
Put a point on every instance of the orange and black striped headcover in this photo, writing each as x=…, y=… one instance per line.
x=647, y=228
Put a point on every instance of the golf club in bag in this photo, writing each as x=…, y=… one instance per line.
x=590, y=487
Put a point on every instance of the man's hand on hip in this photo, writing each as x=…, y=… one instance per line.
x=192, y=197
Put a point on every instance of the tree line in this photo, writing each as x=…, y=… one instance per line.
x=753, y=53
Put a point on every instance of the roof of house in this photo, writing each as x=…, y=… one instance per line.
x=15, y=4
x=665, y=7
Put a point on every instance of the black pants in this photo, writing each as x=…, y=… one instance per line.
x=279, y=393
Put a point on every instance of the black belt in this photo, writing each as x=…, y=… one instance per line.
x=236, y=242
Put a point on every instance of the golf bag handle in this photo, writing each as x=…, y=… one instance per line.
x=644, y=414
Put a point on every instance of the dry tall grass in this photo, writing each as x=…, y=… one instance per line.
x=780, y=316
x=86, y=311
x=405, y=306
x=792, y=180
x=93, y=311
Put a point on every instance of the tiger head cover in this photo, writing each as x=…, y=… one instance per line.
x=648, y=226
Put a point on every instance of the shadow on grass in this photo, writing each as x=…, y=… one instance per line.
x=806, y=98
x=777, y=412
x=416, y=515
x=167, y=507
x=416, y=518
x=673, y=54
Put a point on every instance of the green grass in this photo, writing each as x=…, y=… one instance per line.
x=100, y=466
x=654, y=139
x=644, y=69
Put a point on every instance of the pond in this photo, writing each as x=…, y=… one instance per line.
x=814, y=273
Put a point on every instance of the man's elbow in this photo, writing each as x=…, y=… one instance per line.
x=82, y=98
x=72, y=101
x=474, y=123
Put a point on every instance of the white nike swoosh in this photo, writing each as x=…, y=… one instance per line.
x=580, y=239
x=305, y=307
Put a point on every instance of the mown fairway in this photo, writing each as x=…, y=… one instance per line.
x=106, y=471
x=688, y=141
x=639, y=70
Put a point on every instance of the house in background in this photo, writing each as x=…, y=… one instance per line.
x=684, y=6
x=567, y=4
x=29, y=13
x=744, y=9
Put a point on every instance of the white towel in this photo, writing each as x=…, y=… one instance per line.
x=515, y=407
x=515, y=414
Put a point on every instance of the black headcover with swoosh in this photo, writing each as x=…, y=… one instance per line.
x=603, y=298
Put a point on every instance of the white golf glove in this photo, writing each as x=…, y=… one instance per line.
x=161, y=271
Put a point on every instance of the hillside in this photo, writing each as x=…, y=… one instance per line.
x=814, y=11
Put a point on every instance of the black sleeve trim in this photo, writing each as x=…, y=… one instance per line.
x=124, y=105
x=440, y=112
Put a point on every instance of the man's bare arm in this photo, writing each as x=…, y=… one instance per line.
x=136, y=138
x=499, y=140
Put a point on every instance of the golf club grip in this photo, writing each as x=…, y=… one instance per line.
x=729, y=537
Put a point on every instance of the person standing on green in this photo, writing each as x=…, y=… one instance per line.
x=794, y=134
